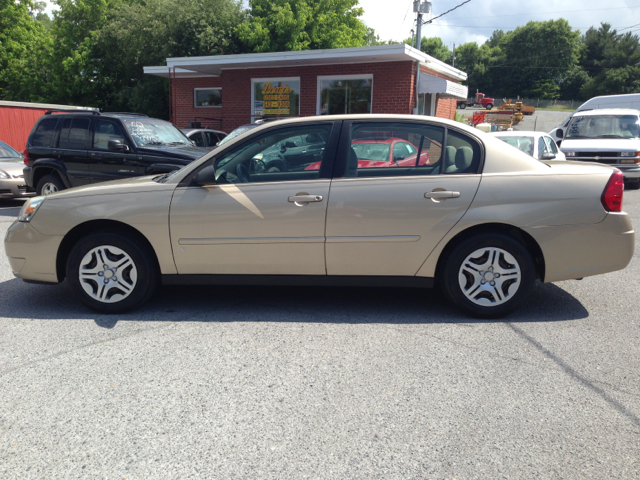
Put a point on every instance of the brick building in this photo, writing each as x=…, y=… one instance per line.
x=226, y=91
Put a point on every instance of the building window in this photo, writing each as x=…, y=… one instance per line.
x=274, y=97
x=207, y=97
x=344, y=94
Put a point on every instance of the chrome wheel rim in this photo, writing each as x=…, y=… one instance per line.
x=107, y=274
x=489, y=276
x=49, y=188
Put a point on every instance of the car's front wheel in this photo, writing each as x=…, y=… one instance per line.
x=489, y=275
x=111, y=272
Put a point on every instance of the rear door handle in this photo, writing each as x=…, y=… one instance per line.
x=96, y=155
x=302, y=200
x=441, y=194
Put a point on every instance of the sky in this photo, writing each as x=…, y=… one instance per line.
x=476, y=20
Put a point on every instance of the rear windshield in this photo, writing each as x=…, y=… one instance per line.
x=524, y=144
x=604, y=126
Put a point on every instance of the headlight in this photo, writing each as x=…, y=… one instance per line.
x=4, y=174
x=570, y=154
x=630, y=154
x=30, y=208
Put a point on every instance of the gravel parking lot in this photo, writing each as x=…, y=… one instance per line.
x=540, y=121
x=262, y=382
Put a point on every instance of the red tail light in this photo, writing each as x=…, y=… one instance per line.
x=26, y=157
x=612, y=195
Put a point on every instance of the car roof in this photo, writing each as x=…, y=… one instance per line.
x=191, y=130
x=607, y=111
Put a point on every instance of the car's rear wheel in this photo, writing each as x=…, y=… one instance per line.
x=489, y=106
x=489, y=275
x=49, y=184
x=111, y=273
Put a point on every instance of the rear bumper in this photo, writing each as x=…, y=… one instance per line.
x=32, y=255
x=576, y=251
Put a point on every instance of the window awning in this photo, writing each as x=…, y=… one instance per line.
x=446, y=89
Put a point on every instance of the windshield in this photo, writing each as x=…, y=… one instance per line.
x=604, y=126
x=236, y=132
x=149, y=131
x=372, y=151
x=7, y=152
x=524, y=144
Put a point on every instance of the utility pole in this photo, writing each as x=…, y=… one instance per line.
x=453, y=56
x=420, y=7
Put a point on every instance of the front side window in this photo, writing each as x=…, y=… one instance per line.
x=44, y=133
x=197, y=139
x=346, y=94
x=542, y=147
x=212, y=139
x=275, y=156
x=207, y=97
x=150, y=131
x=106, y=131
x=394, y=149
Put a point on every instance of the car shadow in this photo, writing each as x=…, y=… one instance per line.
x=347, y=305
x=10, y=208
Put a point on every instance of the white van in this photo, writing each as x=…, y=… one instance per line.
x=610, y=136
x=631, y=100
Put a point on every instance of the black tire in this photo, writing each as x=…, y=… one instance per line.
x=453, y=268
x=462, y=106
x=489, y=106
x=49, y=182
x=146, y=272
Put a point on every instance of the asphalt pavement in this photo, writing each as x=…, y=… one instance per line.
x=278, y=383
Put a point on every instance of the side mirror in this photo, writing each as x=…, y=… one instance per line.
x=559, y=133
x=206, y=176
x=548, y=156
x=117, y=145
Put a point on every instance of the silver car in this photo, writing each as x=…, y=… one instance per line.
x=449, y=205
x=11, y=177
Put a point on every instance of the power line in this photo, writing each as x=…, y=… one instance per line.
x=448, y=11
x=547, y=13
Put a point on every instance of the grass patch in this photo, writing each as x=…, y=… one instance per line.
x=556, y=108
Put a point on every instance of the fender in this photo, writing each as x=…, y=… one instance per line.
x=50, y=164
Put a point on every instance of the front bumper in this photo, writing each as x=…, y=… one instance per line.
x=577, y=251
x=14, y=188
x=32, y=255
x=629, y=170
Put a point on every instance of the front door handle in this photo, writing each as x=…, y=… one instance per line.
x=441, y=194
x=303, y=199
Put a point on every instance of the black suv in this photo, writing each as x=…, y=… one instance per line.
x=67, y=150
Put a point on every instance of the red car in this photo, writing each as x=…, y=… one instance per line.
x=391, y=152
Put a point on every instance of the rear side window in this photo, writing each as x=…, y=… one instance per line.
x=44, y=133
x=197, y=139
x=212, y=139
x=462, y=154
x=394, y=150
x=74, y=133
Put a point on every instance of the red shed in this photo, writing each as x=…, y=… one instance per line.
x=226, y=91
x=17, y=119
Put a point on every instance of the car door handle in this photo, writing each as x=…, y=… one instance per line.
x=441, y=194
x=96, y=155
x=303, y=199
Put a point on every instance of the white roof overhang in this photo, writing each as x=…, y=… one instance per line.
x=191, y=67
x=446, y=89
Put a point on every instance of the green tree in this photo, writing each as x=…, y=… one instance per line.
x=613, y=61
x=286, y=25
x=435, y=47
x=24, y=47
x=534, y=54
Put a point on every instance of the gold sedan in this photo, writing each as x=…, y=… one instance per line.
x=378, y=200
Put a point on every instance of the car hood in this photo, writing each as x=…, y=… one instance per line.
x=115, y=187
x=12, y=166
x=604, y=144
x=186, y=152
